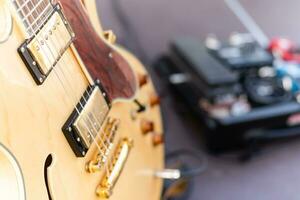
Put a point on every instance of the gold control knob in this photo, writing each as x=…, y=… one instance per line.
x=147, y=126
x=142, y=79
x=154, y=100
x=157, y=139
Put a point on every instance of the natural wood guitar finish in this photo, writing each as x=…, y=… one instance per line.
x=144, y=187
x=34, y=153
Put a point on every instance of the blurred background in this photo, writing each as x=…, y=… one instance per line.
x=148, y=27
x=156, y=22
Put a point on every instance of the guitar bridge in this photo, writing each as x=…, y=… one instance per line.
x=104, y=190
x=85, y=122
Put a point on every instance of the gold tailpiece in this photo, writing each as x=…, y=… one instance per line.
x=104, y=190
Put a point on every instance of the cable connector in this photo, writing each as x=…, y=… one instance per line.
x=170, y=174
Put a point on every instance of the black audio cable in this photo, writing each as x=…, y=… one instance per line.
x=181, y=187
x=190, y=171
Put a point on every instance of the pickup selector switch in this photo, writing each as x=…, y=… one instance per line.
x=141, y=107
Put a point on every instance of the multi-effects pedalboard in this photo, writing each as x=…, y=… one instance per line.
x=242, y=95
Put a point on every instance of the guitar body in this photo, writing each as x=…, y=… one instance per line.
x=36, y=160
x=141, y=187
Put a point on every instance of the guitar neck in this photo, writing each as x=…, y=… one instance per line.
x=33, y=14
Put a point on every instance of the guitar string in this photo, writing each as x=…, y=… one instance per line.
x=62, y=72
x=98, y=121
x=100, y=152
x=40, y=15
x=49, y=59
x=90, y=89
x=89, y=92
x=89, y=86
x=107, y=146
x=106, y=138
x=105, y=134
x=23, y=5
x=59, y=78
x=25, y=16
x=101, y=127
x=33, y=10
x=65, y=78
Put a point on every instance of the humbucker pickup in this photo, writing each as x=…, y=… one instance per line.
x=43, y=51
x=85, y=122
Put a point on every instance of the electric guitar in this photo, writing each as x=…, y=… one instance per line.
x=67, y=130
x=146, y=97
